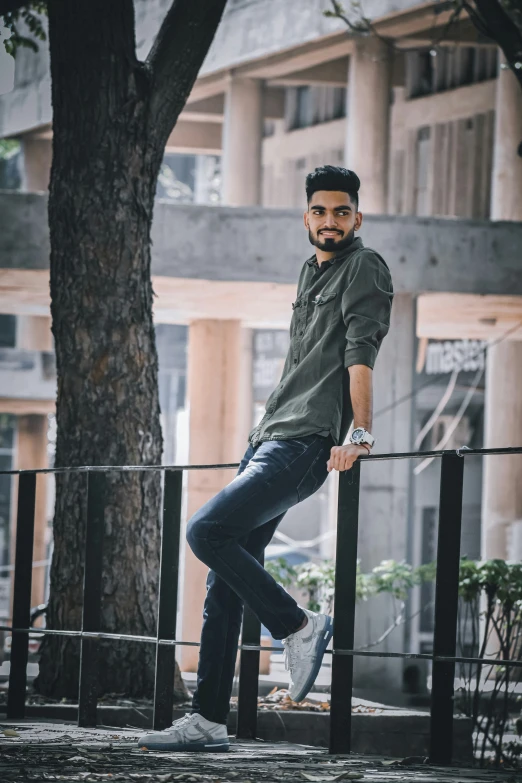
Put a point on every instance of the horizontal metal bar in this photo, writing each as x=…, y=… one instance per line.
x=262, y=648
x=428, y=657
x=230, y=465
x=121, y=468
x=126, y=637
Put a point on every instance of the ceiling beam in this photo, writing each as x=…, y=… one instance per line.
x=333, y=74
x=195, y=138
x=468, y=316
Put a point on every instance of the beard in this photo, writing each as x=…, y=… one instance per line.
x=331, y=244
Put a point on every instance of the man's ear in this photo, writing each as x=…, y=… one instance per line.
x=358, y=220
x=305, y=219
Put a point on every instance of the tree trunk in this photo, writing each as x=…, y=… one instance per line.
x=111, y=118
x=105, y=166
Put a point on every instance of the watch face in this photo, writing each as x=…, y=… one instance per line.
x=357, y=435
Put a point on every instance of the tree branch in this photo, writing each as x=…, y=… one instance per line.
x=177, y=56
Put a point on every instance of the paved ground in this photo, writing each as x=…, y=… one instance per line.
x=32, y=751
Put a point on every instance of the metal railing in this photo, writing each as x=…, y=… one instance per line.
x=446, y=602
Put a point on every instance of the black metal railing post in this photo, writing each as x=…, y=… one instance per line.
x=248, y=675
x=22, y=595
x=344, y=609
x=168, y=599
x=248, y=678
x=446, y=608
x=92, y=595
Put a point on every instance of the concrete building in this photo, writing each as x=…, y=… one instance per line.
x=431, y=123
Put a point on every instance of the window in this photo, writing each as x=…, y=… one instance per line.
x=422, y=199
x=447, y=67
x=7, y=331
x=7, y=431
x=312, y=104
x=429, y=528
x=303, y=109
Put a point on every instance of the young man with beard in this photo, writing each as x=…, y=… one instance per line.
x=340, y=317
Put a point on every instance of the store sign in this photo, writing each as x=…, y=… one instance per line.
x=455, y=355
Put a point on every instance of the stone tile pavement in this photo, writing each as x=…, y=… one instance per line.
x=42, y=751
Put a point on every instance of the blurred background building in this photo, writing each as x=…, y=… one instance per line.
x=431, y=122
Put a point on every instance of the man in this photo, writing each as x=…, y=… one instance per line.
x=340, y=317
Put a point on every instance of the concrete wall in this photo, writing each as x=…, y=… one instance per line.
x=288, y=157
x=459, y=158
x=254, y=244
x=383, y=508
x=254, y=28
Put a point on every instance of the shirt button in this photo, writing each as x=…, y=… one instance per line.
x=301, y=333
x=295, y=361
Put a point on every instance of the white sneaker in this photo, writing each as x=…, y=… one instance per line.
x=304, y=653
x=192, y=732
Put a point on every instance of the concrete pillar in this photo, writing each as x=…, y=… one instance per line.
x=502, y=493
x=506, y=185
x=368, y=111
x=37, y=157
x=34, y=333
x=502, y=489
x=242, y=142
x=220, y=413
x=384, y=531
x=31, y=452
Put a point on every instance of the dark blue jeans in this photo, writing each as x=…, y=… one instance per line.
x=230, y=534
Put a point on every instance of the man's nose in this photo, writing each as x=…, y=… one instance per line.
x=330, y=221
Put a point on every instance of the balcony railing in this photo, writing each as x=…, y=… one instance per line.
x=446, y=602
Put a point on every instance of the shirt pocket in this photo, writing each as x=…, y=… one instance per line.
x=324, y=307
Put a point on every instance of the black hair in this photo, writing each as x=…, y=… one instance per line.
x=333, y=178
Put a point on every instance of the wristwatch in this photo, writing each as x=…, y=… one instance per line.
x=362, y=437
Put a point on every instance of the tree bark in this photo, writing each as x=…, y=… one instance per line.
x=107, y=150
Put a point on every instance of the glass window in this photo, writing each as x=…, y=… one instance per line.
x=448, y=67
x=7, y=429
x=7, y=331
x=422, y=206
x=313, y=104
x=303, y=111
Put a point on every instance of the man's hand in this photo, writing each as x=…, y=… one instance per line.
x=343, y=457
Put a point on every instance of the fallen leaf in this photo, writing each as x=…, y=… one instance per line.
x=10, y=733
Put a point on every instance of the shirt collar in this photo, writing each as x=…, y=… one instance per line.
x=341, y=256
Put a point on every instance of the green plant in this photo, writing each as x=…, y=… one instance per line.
x=491, y=615
x=489, y=626
x=8, y=148
x=31, y=15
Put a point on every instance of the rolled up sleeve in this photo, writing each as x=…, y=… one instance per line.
x=366, y=308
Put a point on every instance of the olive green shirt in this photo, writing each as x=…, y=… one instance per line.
x=340, y=317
